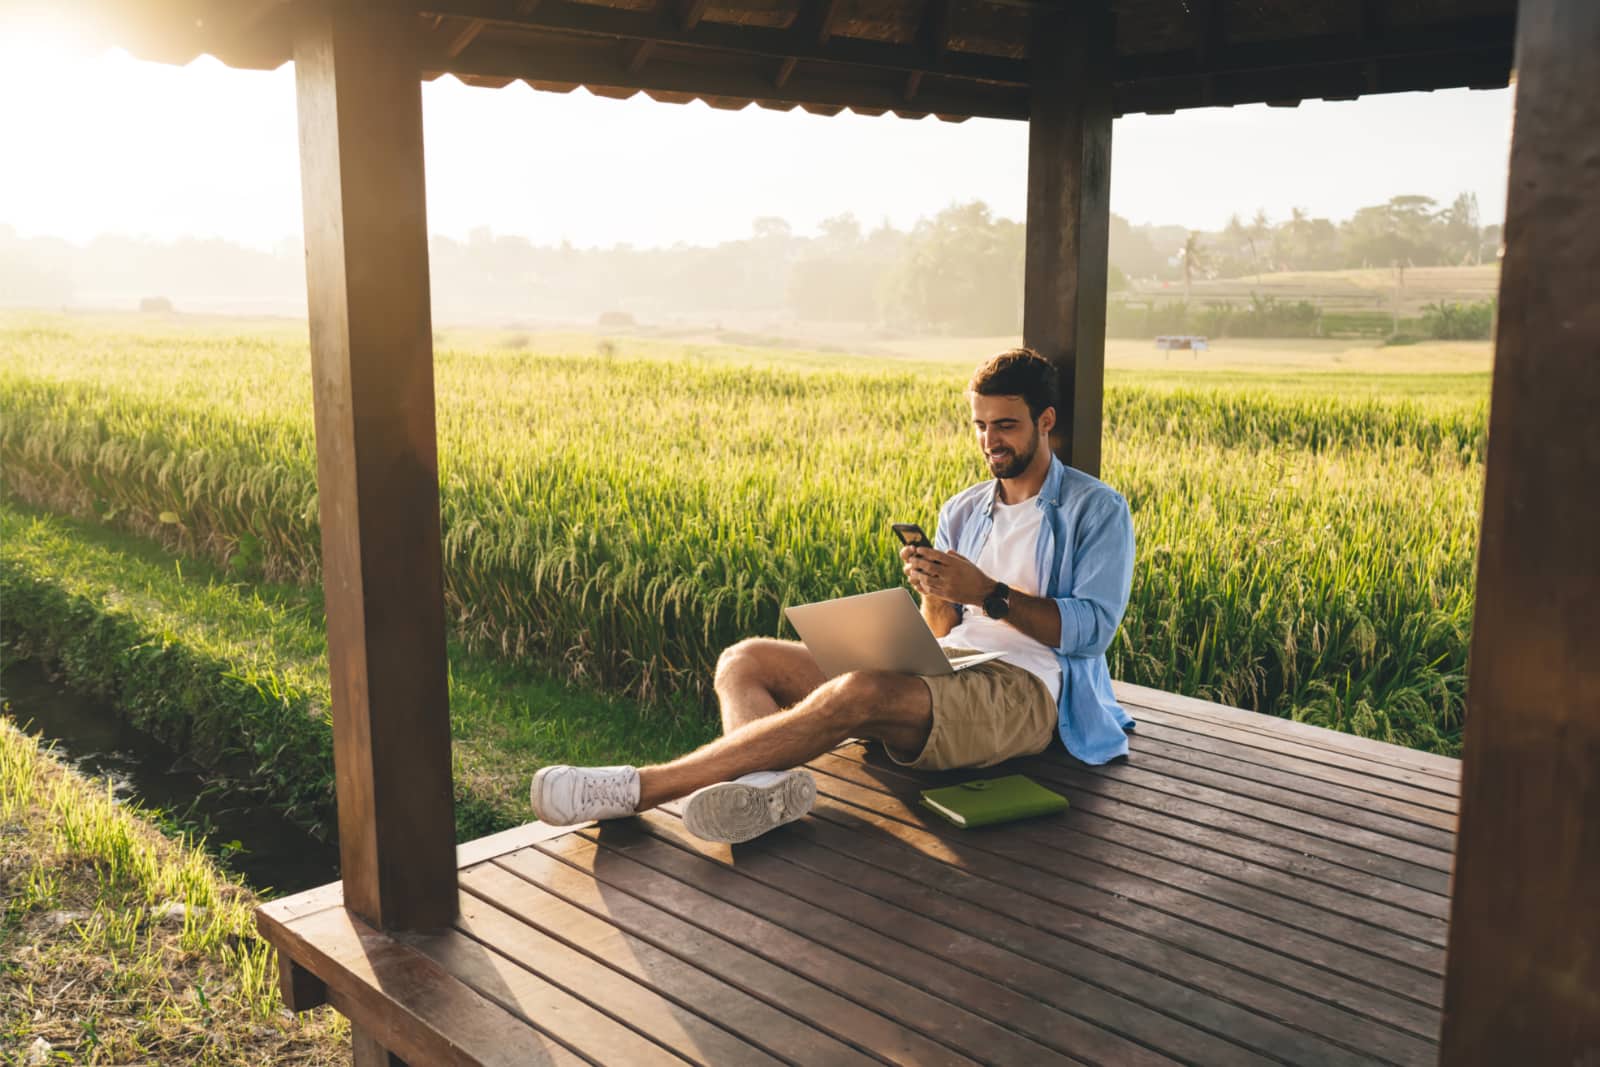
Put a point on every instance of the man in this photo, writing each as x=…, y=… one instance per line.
x=1036, y=563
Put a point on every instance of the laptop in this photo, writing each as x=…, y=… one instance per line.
x=881, y=631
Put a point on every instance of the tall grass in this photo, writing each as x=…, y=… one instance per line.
x=628, y=517
x=125, y=946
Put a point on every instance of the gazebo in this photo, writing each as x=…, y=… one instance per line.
x=1243, y=889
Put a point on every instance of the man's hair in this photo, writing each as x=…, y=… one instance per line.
x=1018, y=372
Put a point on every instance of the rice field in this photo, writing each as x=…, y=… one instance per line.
x=623, y=511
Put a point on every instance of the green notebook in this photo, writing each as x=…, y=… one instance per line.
x=992, y=800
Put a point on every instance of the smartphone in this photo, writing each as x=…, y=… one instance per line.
x=911, y=534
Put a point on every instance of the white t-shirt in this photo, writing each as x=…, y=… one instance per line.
x=1009, y=555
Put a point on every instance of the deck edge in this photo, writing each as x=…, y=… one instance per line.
x=1177, y=703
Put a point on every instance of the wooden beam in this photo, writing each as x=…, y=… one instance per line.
x=602, y=69
x=1069, y=218
x=635, y=54
x=809, y=38
x=1208, y=63
x=1348, y=80
x=368, y=1051
x=1457, y=36
x=458, y=40
x=366, y=240
x=690, y=12
x=1210, y=18
x=1522, y=981
x=1372, y=33
x=814, y=23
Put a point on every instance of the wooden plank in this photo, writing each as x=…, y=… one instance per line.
x=1414, y=822
x=360, y=110
x=655, y=969
x=809, y=37
x=1443, y=789
x=404, y=1002
x=367, y=1051
x=1196, y=788
x=1304, y=733
x=862, y=930
x=742, y=963
x=321, y=898
x=1293, y=957
x=1441, y=39
x=1524, y=969
x=1420, y=805
x=1197, y=807
x=1126, y=811
x=1069, y=218
x=1076, y=950
x=1163, y=796
x=1113, y=815
x=1362, y=922
x=981, y=942
x=483, y=849
x=301, y=990
x=1120, y=928
x=892, y=992
x=816, y=88
x=1358, y=811
x=529, y=993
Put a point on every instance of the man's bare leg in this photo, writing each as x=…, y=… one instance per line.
x=759, y=677
x=894, y=708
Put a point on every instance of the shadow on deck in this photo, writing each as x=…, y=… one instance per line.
x=1242, y=890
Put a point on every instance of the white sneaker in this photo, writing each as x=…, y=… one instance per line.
x=749, y=806
x=563, y=795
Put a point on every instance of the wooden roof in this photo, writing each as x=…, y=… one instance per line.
x=952, y=58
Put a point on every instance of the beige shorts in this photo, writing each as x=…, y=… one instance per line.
x=983, y=715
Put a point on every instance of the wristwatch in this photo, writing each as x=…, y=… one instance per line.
x=997, y=603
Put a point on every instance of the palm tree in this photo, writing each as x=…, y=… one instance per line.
x=1299, y=223
x=1192, y=258
x=1236, y=233
x=1258, y=231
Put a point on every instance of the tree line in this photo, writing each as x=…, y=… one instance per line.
x=959, y=271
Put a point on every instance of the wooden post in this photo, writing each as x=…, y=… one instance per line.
x=360, y=104
x=368, y=1051
x=1522, y=981
x=1069, y=217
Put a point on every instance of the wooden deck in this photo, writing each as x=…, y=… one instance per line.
x=1242, y=890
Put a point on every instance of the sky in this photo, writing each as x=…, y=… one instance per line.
x=110, y=144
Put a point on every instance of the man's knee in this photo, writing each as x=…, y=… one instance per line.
x=739, y=658
x=862, y=696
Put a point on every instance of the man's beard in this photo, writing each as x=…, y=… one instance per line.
x=1012, y=466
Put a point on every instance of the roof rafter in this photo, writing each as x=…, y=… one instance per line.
x=809, y=38
x=556, y=64
x=1221, y=69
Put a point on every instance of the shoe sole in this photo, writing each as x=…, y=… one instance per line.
x=533, y=792
x=731, y=812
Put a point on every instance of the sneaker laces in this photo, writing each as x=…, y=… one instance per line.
x=609, y=790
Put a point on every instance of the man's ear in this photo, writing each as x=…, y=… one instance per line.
x=1047, y=420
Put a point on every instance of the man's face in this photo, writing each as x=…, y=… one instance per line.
x=1007, y=434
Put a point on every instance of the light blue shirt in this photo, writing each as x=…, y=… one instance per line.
x=1085, y=564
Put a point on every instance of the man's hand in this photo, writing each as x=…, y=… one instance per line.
x=947, y=576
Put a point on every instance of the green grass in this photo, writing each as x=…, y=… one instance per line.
x=1305, y=539
x=233, y=672
x=121, y=945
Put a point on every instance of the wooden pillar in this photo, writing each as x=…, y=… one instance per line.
x=360, y=104
x=1069, y=217
x=368, y=1051
x=1523, y=972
